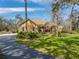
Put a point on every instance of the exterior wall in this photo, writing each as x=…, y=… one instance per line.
x=30, y=27
x=33, y=26
x=22, y=27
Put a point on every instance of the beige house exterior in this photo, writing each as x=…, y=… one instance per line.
x=33, y=25
x=39, y=26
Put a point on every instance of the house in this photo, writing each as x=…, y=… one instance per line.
x=39, y=26
x=34, y=25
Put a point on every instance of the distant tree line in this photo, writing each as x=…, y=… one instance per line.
x=10, y=24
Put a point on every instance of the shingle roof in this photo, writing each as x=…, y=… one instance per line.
x=38, y=22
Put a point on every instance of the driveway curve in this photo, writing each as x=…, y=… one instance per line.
x=12, y=50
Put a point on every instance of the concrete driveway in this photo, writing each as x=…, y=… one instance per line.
x=12, y=50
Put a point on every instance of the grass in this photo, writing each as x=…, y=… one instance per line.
x=63, y=47
x=5, y=32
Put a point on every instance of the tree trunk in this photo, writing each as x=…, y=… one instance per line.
x=26, y=13
x=71, y=15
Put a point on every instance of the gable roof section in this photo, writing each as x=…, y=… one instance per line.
x=36, y=22
x=40, y=22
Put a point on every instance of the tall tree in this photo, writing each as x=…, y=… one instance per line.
x=57, y=5
x=26, y=13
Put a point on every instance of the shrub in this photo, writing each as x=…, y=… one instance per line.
x=32, y=35
x=27, y=35
x=77, y=30
x=22, y=35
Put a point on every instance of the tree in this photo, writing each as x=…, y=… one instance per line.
x=58, y=4
x=18, y=19
x=1, y=23
x=26, y=13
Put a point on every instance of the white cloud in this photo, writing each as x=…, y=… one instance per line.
x=34, y=9
x=10, y=10
x=41, y=1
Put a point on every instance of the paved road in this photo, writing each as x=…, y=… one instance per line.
x=12, y=50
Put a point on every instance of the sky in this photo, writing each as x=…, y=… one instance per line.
x=36, y=9
x=39, y=9
x=10, y=8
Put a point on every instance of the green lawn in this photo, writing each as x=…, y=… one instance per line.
x=65, y=47
x=5, y=32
